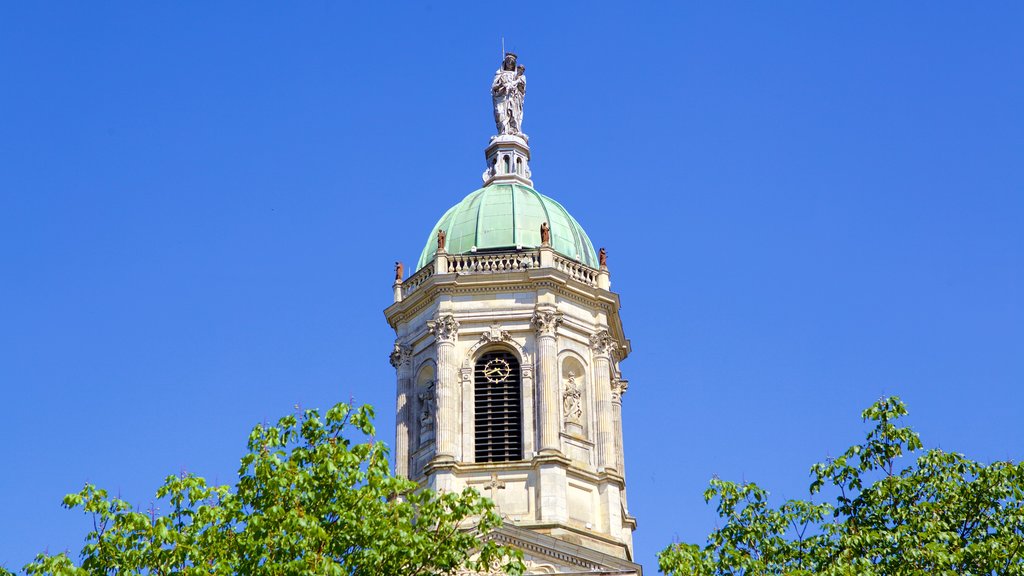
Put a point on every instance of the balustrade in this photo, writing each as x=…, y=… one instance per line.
x=498, y=262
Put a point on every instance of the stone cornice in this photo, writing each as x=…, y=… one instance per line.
x=533, y=280
x=572, y=471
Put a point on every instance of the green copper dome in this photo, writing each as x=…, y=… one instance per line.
x=506, y=216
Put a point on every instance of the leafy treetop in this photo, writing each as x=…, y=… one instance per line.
x=943, y=514
x=309, y=500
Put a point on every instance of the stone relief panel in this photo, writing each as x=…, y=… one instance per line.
x=511, y=493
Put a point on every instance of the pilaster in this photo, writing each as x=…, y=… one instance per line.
x=445, y=330
x=602, y=346
x=619, y=387
x=401, y=359
x=546, y=320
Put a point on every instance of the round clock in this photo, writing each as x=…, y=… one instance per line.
x=497, y=370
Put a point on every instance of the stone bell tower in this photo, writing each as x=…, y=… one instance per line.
x=507, y=357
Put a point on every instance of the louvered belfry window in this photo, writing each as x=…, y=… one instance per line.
x=498, y=405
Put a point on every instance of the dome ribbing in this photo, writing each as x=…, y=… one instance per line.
x=506, y=216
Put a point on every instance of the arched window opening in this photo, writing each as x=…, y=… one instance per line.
x=508, y=165
x=519, y=165
x=498, y=407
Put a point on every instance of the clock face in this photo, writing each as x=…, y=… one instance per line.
x=497, y=370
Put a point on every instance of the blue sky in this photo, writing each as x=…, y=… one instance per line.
x=806, y=206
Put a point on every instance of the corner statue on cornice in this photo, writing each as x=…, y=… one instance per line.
x=602, y=258
x=545, y=234
x=508, y=90
x=399, y=271
x=441, y=237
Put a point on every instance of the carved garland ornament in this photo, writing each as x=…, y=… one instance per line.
x=495, y=334
x=445, y=328
x=602, y=343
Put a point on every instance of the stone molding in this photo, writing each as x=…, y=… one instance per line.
x=408, y=309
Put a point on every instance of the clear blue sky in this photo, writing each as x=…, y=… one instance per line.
x=806, y=206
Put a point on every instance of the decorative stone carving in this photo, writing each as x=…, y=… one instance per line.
x=619, y=387
x=546, y=322
x=399, y=271
x=508, y=90
x=427, y=412
x=401, y=355
x=572, y=401
x=445, y=328
x=545, y=234
x=602, y=343
x=495, y=334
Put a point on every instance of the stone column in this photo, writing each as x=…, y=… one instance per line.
x=546, y=321
x=445, y=330
x=603, y=346
x=619, y=387
x=401, y=359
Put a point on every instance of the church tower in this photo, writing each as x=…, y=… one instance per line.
x=507, y=358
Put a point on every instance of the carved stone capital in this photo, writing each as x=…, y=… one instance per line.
x=619, y=387
x=546, y=322
x=401, y=355
x=445, y=328
x=602, y=343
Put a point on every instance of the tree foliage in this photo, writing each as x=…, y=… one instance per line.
x=308, y=500
x=942, y=514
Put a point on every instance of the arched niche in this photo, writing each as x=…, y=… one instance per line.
x=574, y=395
x=426, y=405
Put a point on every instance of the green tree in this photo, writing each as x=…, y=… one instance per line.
x=942, y=514
x=308, y=500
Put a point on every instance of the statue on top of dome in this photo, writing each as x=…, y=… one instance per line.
x=507, y=92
